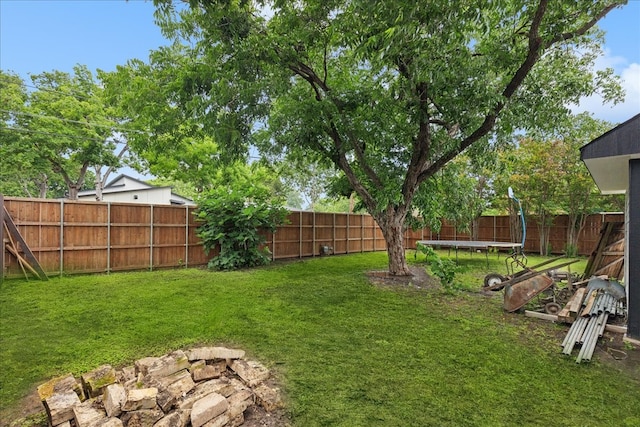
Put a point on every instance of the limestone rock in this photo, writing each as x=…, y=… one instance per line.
x=207, y=372
x=252, y=373
x=113, y=398
x=268, y=397
x=225, y=420
x=141, y=418
x=208, y=408
x=59, y=384
x=96, y=381
x=166, y=401
x=168, y=365
x=213, y=353
x=178, y=418
x=87, y=415
x=60, y=405
x=126, y=374
x=112, y=422
x=239, y=402
x=220, y=385
x=144, y=398
x=142, y=365
x=178, y=384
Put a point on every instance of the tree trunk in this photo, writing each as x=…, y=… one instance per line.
x=42, y=182
x=98, y=183
x=544, y=228
x=391, y=223
x=577, y=223
x=475, y=228
x=73, y=191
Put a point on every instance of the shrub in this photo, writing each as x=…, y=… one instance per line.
x=235, y=215
x=444, y=269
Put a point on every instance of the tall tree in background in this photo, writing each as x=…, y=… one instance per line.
x=578, y=195
x=389, y=92
x=545, y=169
x=534, y=171
x=21, y=172
x=66, y=127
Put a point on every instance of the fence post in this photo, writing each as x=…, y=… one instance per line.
x=375, y=233
x=313, y=238
x=334, y=232
x=186, y=237
x=273, y=245
x=108, y=237
x=495, y=235
x=61, y=237
x=151, y=239
x=347, y=232
x=300, y=235
x=361, y=233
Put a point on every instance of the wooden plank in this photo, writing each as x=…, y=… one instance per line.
x=13, y=231
x=543, y=316
x=596, y=255
x=563, y=315
x=589, y=304
x=617, y=329
x=576, y=302
x=570, y=310
x=23, y=262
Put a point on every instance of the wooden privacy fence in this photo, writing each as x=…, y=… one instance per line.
x=71, y=237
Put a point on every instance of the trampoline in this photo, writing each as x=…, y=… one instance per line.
x=517, y=253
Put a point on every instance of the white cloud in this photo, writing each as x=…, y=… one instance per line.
x=630, y=80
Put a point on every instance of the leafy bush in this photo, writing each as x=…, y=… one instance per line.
x=571, y=251
x=444, y=269
x=235, y=215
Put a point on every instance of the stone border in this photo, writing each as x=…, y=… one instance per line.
x=200, y=387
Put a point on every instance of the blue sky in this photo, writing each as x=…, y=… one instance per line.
x=45, y=35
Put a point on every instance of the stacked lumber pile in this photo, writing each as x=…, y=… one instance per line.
x=589, y=315
x=208, y=386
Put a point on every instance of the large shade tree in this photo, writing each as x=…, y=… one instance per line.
x=389, y=92
x=62, y=129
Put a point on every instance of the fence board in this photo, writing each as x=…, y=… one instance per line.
x=82, y=237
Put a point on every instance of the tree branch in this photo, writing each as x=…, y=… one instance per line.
x=586, y=27
x=533, y=54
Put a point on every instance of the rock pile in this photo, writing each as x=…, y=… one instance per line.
x=207, y=386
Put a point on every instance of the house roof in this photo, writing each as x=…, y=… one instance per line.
x=118, y=184
x=113, y=182
x=607, y=157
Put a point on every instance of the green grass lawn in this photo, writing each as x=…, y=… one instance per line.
x=346, y=352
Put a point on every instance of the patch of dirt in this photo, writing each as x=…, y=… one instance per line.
x=612, y=351
x=29, y=412
x=256, y=416
x=418, y=280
